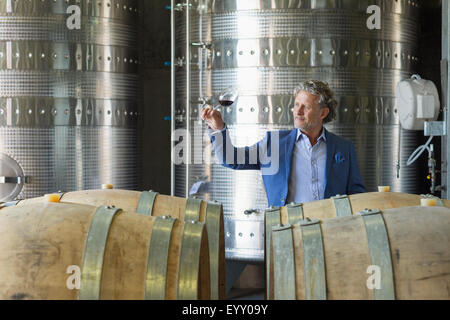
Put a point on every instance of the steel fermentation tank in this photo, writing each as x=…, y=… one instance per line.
x=68, y=96
x=266, y=48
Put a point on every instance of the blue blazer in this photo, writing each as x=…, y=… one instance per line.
x=342, y=169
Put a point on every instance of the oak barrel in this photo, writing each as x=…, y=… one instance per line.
x=401, y=253
x=120, y=255
x=335, y=207
x=155, y=204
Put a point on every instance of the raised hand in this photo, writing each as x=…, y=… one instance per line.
x=213, y=118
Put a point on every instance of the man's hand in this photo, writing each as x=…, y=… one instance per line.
x=213, y=118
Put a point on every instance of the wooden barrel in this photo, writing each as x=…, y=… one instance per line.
x=110, y=254
x=347, y=205
x=401, y=253
x=339, y=206
x=154, y=204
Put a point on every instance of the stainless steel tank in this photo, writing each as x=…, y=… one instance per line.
x=266, y=48
x=68, y=97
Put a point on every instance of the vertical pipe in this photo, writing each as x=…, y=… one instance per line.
x=445, y=152
x=172, y=97
x=188, y=96
x=201, y=52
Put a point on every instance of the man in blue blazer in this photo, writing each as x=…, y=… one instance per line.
x=306, y=164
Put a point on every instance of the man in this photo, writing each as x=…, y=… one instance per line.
x=312, y=163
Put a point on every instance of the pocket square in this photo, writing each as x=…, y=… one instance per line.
x=339, y=158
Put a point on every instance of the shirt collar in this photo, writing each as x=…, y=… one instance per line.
x=301, y=134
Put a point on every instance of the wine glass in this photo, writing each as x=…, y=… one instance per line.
x=228, y=96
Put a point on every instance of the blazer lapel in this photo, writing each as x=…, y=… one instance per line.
x=331, y=148
x=289, y=151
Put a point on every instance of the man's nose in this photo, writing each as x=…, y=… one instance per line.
x=300, y=110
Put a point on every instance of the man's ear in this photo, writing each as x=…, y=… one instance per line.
x=324, y=113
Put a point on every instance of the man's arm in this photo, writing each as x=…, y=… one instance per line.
x=246, y=158
x=355, y=184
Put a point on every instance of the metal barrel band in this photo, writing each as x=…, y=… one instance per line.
x=192, y=210
x=213, y=214
x=272, y=218
x=342, y=206
x=295, y=212
x=380, y=252
x=158, y=254
x=91, y=274
x=430, y=196
x=9, y=204
x=314, y=261
x=188, y=272
x=146, y=202
x=283, y=263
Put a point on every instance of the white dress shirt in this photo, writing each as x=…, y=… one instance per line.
x=307, y=179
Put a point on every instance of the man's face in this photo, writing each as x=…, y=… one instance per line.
x=307, y=113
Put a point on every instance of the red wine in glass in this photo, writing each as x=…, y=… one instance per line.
x=225, y=103
x=228, y=96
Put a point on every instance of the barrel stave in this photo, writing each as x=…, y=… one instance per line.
x=420, y=250
x=39, y=242
x=347, y=258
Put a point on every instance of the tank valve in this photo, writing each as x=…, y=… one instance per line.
x=398, y=169
x=203, y=45
x=251, y=211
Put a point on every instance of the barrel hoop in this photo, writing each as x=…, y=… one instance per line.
x=315, y=279
x=342, y=206
x=9, y=204
x=295, y=213
x=94, y=251
x=283, y=263
x=213, y=211
x=192, y=210
x=272, y=218
x=158, y=254
x=188, y=273
x=146, y=202
x=439, y=202
x=380, y=253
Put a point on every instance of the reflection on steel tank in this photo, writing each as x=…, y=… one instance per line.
x=266, y=48
x=67, y=96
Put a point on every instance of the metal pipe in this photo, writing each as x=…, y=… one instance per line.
x=432, y=171
x=172, y=95
x=445, y=149
x=399, y=157
x=188, y=96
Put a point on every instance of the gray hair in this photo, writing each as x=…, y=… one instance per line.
x=321, y=89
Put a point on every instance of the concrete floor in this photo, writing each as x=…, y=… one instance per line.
x=248, y=281
x=246, y=294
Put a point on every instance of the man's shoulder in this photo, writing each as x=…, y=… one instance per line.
x=281, y=133
x=337, y=139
